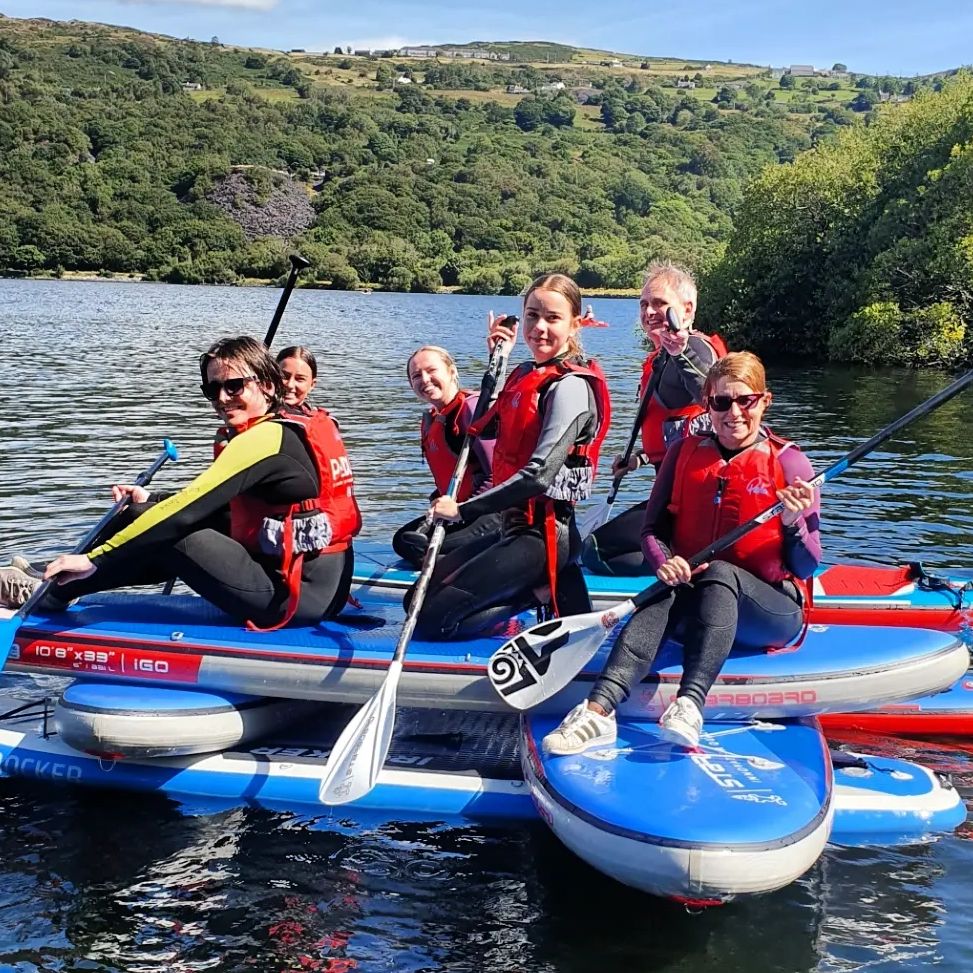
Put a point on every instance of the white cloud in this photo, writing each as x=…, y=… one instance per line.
x=387, y=43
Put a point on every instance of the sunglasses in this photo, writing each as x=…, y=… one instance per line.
x=232, y=387
x=722, y=403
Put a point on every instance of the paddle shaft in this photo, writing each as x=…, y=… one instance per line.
x=298, y=263
x=488, y=388
x=169, y=451
x=836, y=469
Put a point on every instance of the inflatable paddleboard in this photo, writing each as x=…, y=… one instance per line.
x=748, y=811
x=946, y=713
x=142, y=720
x=442, y=766
x=854, y=594
x=183, y=641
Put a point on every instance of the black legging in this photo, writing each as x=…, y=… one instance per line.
x=410, y=542
x=725, y=606
x=616, y=547
x=468, y=595
x=227, y=575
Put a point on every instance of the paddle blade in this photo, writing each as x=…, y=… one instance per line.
x=541, y=661
x=359, y=754
x=8, y=632
x=593, y=518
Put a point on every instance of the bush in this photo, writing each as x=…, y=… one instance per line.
x=872, y=335
x=481, y=281
x=936, y=333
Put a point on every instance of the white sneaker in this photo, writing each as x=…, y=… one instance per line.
x=681, y=722
x=581, y=730
x=16, y=587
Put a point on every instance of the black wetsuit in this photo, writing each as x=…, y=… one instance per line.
x=467, y=595
x=183, y=536
x=411, y=540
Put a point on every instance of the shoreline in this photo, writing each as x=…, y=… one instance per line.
x=95, y=277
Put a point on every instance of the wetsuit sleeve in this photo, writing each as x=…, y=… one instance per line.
x=802, y=542
x=657, y=523
x=570, y=417
x=692, y=366
x=481, y=448
x=267, y=459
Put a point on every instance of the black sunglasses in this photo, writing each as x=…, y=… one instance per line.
x=722, y=403
x=232, y=386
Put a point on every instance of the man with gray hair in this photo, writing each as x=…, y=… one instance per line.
x=670, y=391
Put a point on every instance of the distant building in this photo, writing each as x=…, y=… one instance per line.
x=517, y=89
x=363, y=52
x=418, y=52
x=802, y=70
x=686, y=84
x=551, y=88
x=191, y=86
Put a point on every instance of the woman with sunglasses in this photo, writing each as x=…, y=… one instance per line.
x=434, y=378
x=549, y=420
x=753, y=595
x=288, y=485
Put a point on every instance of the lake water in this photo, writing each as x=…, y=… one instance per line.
x=94, y=375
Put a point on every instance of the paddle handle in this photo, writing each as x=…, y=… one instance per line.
x=298, y=263
x=836, y=469
x=488, y=390
x=169, y=452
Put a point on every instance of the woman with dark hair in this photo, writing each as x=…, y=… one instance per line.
x=434, y=378
x=299, y=369
x=549, y=421
x=288, y=485
x=752, y=594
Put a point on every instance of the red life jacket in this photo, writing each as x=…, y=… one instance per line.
x=268, y=528
x=519, y=427
x=519, y=417
x=438, y=453
x=711, y=496
x=656, y=414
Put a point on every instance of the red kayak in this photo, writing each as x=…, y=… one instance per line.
x=592, y=323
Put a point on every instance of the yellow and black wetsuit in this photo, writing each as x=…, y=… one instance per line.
x=176, y=537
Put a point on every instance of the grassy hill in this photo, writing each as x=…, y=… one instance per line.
x=123, y=152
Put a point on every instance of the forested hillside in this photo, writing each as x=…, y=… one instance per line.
x=122, y=152
x=862, y=250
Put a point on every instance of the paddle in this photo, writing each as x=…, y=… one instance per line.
x=594, y=518
x=530, y=668
x=359, y=754
x=298, y=263
x=10, y=626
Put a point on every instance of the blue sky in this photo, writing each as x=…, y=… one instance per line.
x=874, y=36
